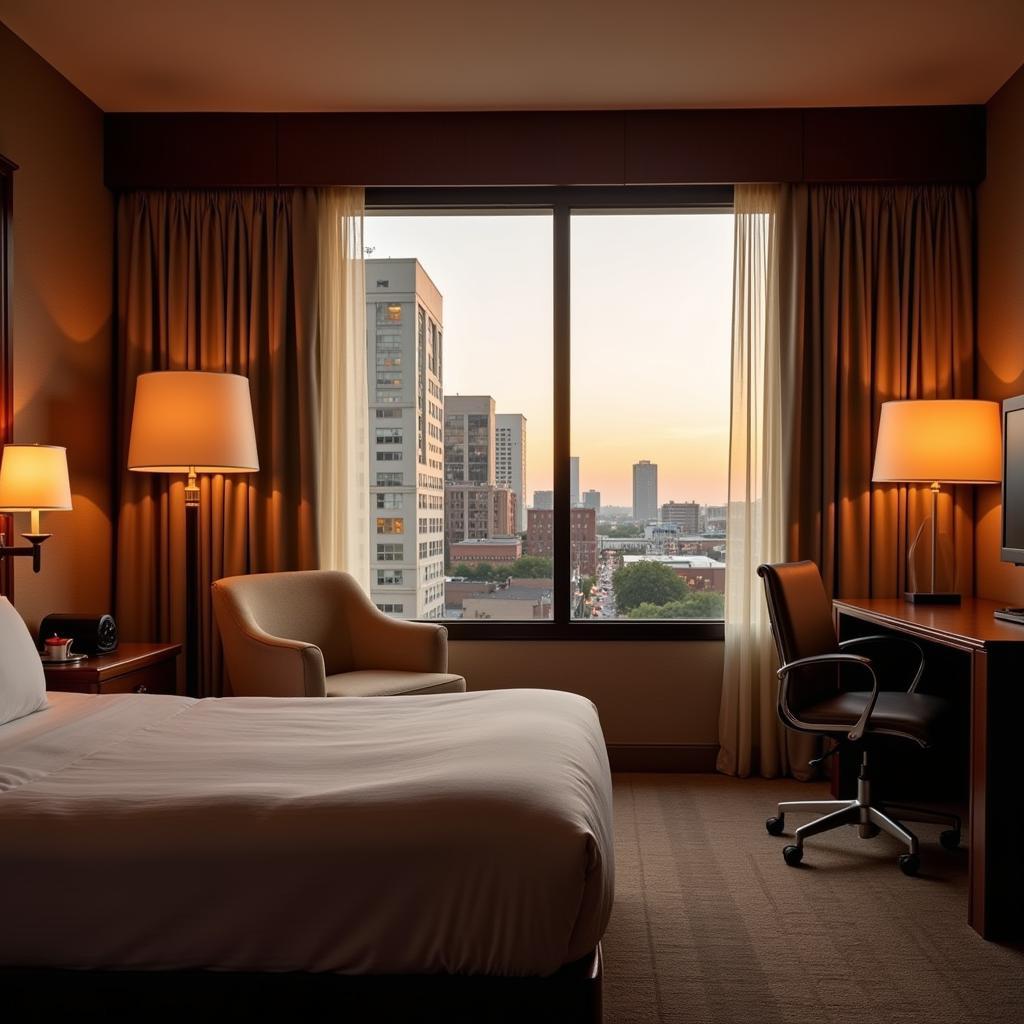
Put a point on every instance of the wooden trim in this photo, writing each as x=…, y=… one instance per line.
x=663, y=757
x=545, y=148
x=7, y=170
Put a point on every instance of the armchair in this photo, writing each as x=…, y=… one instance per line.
x=317, y=634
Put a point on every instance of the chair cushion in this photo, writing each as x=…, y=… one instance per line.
x=382, y=683
x=917, y=716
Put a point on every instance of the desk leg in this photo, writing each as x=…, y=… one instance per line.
x=996, y=893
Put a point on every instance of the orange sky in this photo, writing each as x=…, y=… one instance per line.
x=651, y=303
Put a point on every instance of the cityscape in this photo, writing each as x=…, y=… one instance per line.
x=455, y=533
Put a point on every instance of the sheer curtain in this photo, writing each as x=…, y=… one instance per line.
x=751, y=737
x=344, y=510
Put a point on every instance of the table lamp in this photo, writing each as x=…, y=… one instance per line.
x=33, y=479
x=935, y=442
x=189, y=421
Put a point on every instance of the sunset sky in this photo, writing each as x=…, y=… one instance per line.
x=651, y=312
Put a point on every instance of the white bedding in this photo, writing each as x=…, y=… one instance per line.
x=459, y=833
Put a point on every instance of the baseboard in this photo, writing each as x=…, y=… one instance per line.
x=662, y=757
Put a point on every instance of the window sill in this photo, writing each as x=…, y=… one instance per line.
x=586, y=631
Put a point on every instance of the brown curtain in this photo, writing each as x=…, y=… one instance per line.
x=219, y=281
x=877, y=303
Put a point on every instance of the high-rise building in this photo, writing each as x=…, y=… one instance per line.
x=540, y=525
x=685, y=514
x=469, y=452
x=475, y=506
x=406, y=454
x=510, y=459
x=592, y=499
x=543, y=499
x=714, y=519
x=645, y=491
x=574, y=480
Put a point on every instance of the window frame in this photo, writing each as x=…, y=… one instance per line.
x=560, y=203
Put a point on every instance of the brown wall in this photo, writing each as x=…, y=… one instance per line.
x=62, y=305
x=1000, y=311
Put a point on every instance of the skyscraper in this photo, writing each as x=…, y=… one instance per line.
x=574, y=480
x=543, y=499
x=406, y=459
x=592, y=499
x=510, y=459
x=645, y=491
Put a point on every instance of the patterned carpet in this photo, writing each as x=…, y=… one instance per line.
x=711, y=926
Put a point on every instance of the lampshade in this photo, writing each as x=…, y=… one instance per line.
x=953, y=441
x=34, y=477
x=189, y=419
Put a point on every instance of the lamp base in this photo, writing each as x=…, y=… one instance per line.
x=930, y=597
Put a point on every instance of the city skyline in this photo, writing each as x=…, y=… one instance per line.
x=623, y=409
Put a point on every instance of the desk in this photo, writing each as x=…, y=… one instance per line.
x=993, y=656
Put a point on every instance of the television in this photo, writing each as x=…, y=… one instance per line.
x=1013, y=481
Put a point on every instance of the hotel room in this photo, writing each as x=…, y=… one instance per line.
x=553, y=470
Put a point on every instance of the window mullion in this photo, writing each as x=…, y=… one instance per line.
x=561, y=375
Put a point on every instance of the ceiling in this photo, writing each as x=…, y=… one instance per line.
x=274, y=55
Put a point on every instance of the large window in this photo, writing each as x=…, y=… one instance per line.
x=552, y=370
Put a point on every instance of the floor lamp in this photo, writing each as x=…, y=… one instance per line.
x=192, y=422
x=935, y=442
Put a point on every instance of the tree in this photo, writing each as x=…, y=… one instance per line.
x=586, y=586
x=621, y=530
x=533, y=567
x=646, y=582
x=703, y=604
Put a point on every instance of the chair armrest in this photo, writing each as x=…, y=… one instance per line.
x=381, y=642
x=892, y=639
x=834, y=659
x=262, y=665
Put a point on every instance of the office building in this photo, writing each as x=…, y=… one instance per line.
x=574, y=480
x=645, y=491
x=592, y=499
x=406, y=458
x=510, y=459
x=493, y=550
x=685, y=514
x=540, y=525
x=543, y=499
x=714, y=520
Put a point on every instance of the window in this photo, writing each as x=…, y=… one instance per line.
x=390, y=552
x=391, y=608
x=390, y=577
x=472, y=317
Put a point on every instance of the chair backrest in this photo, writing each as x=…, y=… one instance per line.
x=309, y=606
x=800, y=613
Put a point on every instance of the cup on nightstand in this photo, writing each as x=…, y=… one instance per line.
x=57, y=648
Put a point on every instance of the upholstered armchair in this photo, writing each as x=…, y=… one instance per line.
x=317, y=634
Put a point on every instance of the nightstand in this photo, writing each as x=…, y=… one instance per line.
x=132, y=668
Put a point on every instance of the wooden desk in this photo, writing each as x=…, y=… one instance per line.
x=992, y=660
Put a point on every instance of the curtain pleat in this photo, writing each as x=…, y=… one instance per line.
x=220, y=281
x=877, y=304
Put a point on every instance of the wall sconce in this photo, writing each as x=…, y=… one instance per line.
x=34, y=479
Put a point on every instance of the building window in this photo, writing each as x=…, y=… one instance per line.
x=390, y=552
x=390, y=577
x=390, y=499
x=389, y=479
x=390, y=524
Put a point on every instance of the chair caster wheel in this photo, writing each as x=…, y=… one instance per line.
x=775, y=826
x=793, y=855
x=908, y=863
x=950, y=839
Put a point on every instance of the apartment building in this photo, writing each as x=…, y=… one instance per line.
x=510, y=459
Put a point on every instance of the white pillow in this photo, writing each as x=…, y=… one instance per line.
x=22, y=683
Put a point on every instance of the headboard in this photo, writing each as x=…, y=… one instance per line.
x=7, y=170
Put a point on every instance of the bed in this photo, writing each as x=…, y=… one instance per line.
x=429, y=847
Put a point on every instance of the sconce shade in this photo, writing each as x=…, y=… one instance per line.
x=954, y=441
x=34, y=477
x=191, y=419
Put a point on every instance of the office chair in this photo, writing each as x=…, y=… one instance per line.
x=812, y=699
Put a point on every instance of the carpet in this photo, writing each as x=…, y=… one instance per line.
x=710, y=925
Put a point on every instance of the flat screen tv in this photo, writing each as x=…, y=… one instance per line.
x=1013, y=480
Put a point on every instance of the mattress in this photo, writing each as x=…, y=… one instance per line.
x=456, y=833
